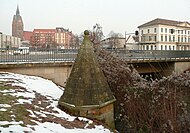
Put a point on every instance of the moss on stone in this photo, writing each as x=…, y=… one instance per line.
x=87, y=85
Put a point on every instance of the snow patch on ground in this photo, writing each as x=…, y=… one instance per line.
x=32, y=83
x=5, y=105
x=52, y=92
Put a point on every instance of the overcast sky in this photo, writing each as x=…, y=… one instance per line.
x=118, y=15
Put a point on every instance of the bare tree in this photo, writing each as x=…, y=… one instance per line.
x=113, y=34
x=74, y=41
x=114, y=39
x=146, y=106
x=97, y=34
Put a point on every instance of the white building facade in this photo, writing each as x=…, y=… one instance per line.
x=7, y=41
x=162, y=34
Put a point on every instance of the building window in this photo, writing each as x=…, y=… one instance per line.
x=161, y=29
x=188, y=39
x=169, y=47
x=166, y=39
x=155, y=38
x=148, y=30
x=181, y=31
x=162, y=38
x=181, y=47
x=165, y=47
x=165, y=30
x=185, y=32
x=147, y=47
x=173, y=47
x=173, y=38
x=185, y=39
x=151, y=47
x=142, y=39
x=142, y=32
x=161, y=47
x=149, y=38
x=170, y=39
x=178, y=39
x=181, y=39
x=154, y=30
x=188, y=32
x=178, y=31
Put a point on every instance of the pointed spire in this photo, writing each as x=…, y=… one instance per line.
x=17, y=10
x=87, y=86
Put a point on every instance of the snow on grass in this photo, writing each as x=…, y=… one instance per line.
x=31, y=113
x=12, y=122
x=22, y=101
x=24, y=94
x=3, y=109
x=52, y=93
x=32, y=83
x=5, y=105
x=16, y=129
x=7, y=91
x=48, y=127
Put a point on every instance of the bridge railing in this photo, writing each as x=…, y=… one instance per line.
x=22, y=55
x=14, y=55
x=151, y=54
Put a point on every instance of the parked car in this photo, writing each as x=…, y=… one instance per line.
x=21, y=51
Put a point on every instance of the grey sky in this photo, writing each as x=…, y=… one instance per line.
x=118, y=15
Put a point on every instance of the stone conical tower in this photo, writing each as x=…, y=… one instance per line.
x=87, y=92
x=17, y=25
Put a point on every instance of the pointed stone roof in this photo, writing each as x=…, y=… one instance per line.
x=17, y=11
x=87, y=86
x=17, y=16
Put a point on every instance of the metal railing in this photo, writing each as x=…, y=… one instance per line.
x=15, y=55
x=33, y=55
x=151, y=54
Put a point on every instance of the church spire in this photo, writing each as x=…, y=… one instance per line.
x=17, y=10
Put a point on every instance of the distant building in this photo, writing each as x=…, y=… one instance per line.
x=51, y=38
x=162, y=34
x=7, y=41
x=131, y=43
x=17, y=25
x=113, y=42
x=63, y=37
x=43, y=38
x=27, y=35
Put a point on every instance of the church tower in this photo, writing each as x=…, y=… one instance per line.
x=17, y=25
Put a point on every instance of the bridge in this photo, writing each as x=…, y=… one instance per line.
x=55, y=64
x=156, y=62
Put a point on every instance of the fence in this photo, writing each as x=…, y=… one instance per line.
x=22, y=55
x=151, y=54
